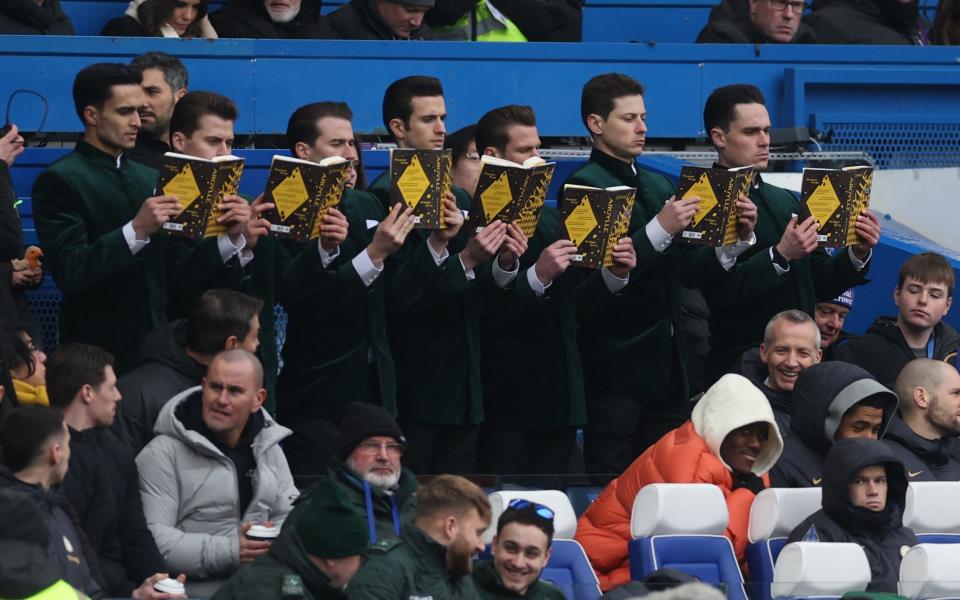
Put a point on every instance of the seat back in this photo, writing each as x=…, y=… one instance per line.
x=930, y=571
x=822, y=569
x=931, y=513
x=564, y=519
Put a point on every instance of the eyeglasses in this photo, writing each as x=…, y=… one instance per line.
x=798, y=7
x=542, y=511
x=373, y=448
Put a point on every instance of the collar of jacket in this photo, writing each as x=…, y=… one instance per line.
x=99, y=157
x=615, y=167
x=425, y=547
x=929, y=451
x=485, y=576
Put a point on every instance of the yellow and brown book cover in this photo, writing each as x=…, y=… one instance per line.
x=715, y=222
x=420, y=179
x=301, y=192
x=199, y=185
x=511, y=192
x=835, y=198
x=594, y=219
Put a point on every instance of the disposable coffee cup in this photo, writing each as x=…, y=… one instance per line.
x=262, y=533
x=169, y=586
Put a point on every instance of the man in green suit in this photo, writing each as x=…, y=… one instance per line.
x=783, y=269
x=633, y=354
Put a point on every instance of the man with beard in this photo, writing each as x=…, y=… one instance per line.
x=924, y=435
x=434, y=556
x=886, y=22
x=830, y=316
x=164, y=83
x=864, y=494
x=272, y=19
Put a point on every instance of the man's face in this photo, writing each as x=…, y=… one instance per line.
x=922, y=305
x=104, y=399
x=523, y=142
x=158, y=102
x=466, y=170
x=117, y=123
x=519, y=554
x=282, y=11
x=742, y=446
x=868, y=488
x=339, y=570
x=792, y=348
x=229, y=397
x=427, y=127
x=860, y=422
x=467, y=542
x=212, y=138
x=777, y=19
x=624, y=132
x=402, y=20
x=377, y=461
x=336, y=139
x=748, y=140
x=829, y=318
x=943, y=409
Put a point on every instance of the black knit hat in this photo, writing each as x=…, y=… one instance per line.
x=360, y=421
x=331, y=526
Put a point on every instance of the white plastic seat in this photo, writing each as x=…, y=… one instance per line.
x=931, y=510
x=820, y=569
x=775, y=512
x=930, y=571
x=564, y=519
x=677, y=509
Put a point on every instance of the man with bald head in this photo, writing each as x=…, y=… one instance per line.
x=924, y=434
x=214, y=470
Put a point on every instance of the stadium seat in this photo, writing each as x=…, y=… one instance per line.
x=568, y=567
x=681, y=526
x=930, y=571
x=820, y=570
x=582, y=496
x=773, y=515
x=931, y=511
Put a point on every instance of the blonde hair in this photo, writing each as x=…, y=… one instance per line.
x=451, y=495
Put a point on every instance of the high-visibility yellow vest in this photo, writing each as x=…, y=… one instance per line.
x=61, y=590
x=492, y=26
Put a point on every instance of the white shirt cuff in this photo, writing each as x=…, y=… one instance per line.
x=776, y=267
x=539, y=288
x=133, y=243
x=468, y=273
x=727, y=255
x=658, y=236
x=228, y=249
x=327, y=257
x=614, y=283
x=857, y=263
x=365, y=268
x=504, y=278
x=438, y=258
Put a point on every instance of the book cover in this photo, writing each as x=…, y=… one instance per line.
x=510, y=192
x=835, y=198
x=301, y=192
x=199, y=185
x=594, y=219
x=715, y=222
x=421, y=179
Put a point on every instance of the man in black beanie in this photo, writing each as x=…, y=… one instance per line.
x=382, y=20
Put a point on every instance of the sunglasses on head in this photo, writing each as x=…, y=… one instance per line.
x=542, y=511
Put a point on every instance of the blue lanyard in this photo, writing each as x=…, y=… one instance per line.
x=930, y=346
x=371, y=520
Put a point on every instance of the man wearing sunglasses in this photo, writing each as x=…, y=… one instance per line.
x=767, y=22
x=521, y=549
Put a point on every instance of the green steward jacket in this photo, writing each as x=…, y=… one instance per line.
x=489, y=587
x=415, y=566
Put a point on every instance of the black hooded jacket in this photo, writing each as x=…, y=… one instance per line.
x=168, y=370
x=821, y=397
x=250, y=19
x=754, y=369
x=884, y=352
x=887, y=22
x=26, y=17
x=881, y=534
x=358, y=20
x=25, y=568
x=743, y=31
x=924, y=460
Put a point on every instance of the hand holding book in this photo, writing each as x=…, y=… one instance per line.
x=391, y=233
x=514, y=245
x=746, y=217
x=868, y=232
x=554, y=260
x=481, y=247
x=676, y=215
x=153, y=213
x=624, y=258
x=452, y=220
x=258, y=226
x=333, y=229
x=234, y=215
x=798, y=240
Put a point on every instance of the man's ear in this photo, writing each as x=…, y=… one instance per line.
x=548, y=554
x=302, y=151
x=949, y=302
x=261, y=398
x=920, y=397
x=753, y=7
x=86, y=393
x=177, y=140
x=595, y=124
x=398, y=129
x=451, y=527
x=819, y=354
x=896, y=296
x=763, y=353
x=232, y=343
x=179, y=94
x=718, y=138
x=91, y=116
x=490, y=151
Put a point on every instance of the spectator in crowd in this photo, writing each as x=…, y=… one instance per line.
x=30, y=17
x=831, y=401
x=96, y=217
x=731, y=441
x=521, y=549
x=382, y=20
x=177, y=356
x=214, y=469
x=164, y=82
x=328, y=544
x=946, y=25
x=864, y=494
x=272, y=19
x=923, y=296
x=923, y=436
x=26, y=362
x=102, y=483
x=15, y=278
x=340, y=292
x=162, y=18
x=767, y=22
x=434, y=556
x=506, y=20
x=885, y=22
x=830, y=316
x=466, y=158
x=791, y=343
x=783, y=268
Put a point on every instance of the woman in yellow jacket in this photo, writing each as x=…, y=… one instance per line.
x=26, y=364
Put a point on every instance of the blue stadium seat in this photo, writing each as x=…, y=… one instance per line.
x=820, y=570
x=681, y=526
x=582, y=496
x=930, y=571
x=931, y=511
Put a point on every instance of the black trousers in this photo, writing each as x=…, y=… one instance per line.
x=513, y=451
x=438, y=449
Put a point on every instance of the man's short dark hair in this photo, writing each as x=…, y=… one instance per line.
x=927, y=267
x=25, y=432
x=218, y=315
x=875, y=401
x=721, y=107
x=459, y=141
x=93, y=85
x=73, y=366
x=600, y=92
x=302, y=126
x=195, y=105
x=398, y=99
x=174, y=71
x=493, y=127
x=526, y=516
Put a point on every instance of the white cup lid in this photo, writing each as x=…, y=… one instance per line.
x=262, y=531
x=169, y=586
